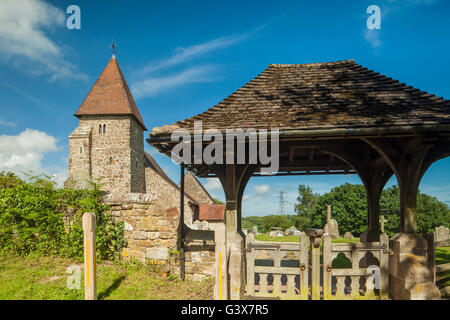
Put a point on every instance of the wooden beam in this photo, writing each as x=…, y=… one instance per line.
x=311, y=155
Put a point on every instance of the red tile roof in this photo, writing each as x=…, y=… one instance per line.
x=212, y=212
x=110, y=95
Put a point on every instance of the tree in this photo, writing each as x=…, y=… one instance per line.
x=268, y=222
x=306, y=202
x=348, y=207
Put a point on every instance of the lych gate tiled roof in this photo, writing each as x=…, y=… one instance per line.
x=110, y=95
x=339, y=94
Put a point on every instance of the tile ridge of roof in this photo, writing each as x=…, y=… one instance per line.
x=313, y=63
x=130, y=98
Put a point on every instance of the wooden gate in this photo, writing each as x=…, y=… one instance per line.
x=277, y=269
x=283, y=270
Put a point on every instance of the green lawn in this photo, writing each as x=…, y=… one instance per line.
x=442, y=255
x=42, y=278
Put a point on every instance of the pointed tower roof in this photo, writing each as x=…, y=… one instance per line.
x=110, y=95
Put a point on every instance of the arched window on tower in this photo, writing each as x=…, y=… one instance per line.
x=99, y=129
x=81, y=150
x=110, y=160
x=104, y=128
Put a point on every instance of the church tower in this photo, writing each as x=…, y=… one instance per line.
x=108, y=145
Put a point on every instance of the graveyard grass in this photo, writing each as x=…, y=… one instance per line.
x=45, y=278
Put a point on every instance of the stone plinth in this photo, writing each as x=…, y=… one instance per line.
x=410, y=276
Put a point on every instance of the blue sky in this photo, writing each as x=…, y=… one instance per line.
x=182, y=57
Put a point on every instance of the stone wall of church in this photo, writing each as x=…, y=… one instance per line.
x=168, y=194
x=151, y=230
x=116, y=153
x=80, y=150
x=137, y=157
x=194, y=189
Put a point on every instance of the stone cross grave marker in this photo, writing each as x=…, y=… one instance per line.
x=382, y=222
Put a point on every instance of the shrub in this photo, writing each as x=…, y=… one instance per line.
x=32, y=220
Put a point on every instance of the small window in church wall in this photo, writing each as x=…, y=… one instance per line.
x=99, y=129
x=110, y=160
x=81, y=150
x=104, y=129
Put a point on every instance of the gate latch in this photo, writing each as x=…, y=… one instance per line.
x=328, y=268
x=302, y=267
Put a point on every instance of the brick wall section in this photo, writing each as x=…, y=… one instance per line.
x=152, y=232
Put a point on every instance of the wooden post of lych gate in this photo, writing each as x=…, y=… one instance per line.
x=304, y=267
x=326, y=249
x=315, y=271
x=221, y=286
x=181, y=225
x=90, y=268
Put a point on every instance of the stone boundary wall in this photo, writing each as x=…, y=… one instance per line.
x=151, y=232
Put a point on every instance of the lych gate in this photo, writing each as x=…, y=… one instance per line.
x=294, y=270
x=333, y=118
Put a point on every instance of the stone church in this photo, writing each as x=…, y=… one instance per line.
x=108, y=145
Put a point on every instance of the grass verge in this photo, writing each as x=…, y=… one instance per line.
x=45, y=278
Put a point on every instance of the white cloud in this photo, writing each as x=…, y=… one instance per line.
x=373, y=37
x=153, y=86
x=24, y=38
x=149, y=84
x=6, y=123
x=213, y=184
x=23, y=94
x=184, y=54
x=24, y=152
x=261, y=189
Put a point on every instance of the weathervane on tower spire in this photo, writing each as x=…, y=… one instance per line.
x=113, y=46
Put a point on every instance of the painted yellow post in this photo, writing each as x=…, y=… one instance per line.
x=315, y=272
x=90, y=268
x=221, y=286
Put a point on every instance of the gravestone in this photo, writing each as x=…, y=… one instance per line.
x=197, y=225
x=297, y=233
x=348, y=235
x=255, y=230
x=276, y=232
x=291, y=231
x=205, y=225
x=441, y=234
x=382, y=222
x=286, y=232
x=331, y=227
